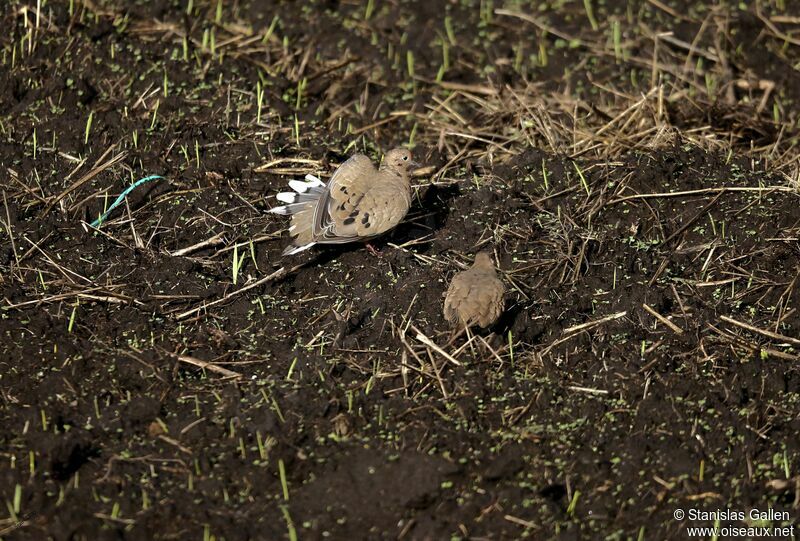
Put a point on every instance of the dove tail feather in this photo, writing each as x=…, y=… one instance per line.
x=300, y=204
x=288, y=210
x=311, y=182
x=291, y=197
x=292, y=249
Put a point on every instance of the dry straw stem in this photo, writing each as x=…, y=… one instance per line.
x=98, y=168
x=763, y=332
x=752, y=348
x=211, y=367
x=573, y=331
x=432, y=345
x=213, y=241
x=83, y=294
x=662, y=319
x=594, y=323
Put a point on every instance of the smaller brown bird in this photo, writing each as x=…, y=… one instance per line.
x=475, y=296
x=359, y=202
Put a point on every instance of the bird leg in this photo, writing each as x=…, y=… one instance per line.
x=372, y=250
x=454, y=335
x=469, y=340
x=343, y=324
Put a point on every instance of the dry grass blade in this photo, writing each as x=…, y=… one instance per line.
x=208, y=243
x=594, y=323
x=431, y=344
x=205, y=365
x=763, y=332
x=96, y=170
x=662, y=319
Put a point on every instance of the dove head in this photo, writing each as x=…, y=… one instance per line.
x=483, y=260
x=399, y=160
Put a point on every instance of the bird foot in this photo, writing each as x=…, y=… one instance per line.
x=374, y=251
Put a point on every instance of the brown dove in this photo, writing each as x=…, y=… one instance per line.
x=475, y=296
x=359, y=202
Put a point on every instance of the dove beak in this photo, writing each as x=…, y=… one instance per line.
x=412, y=165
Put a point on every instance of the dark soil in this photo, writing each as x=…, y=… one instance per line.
x=581, y=414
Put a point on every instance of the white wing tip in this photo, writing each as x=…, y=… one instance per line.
x=314, y=181
x=299, y=186
x=282, y=210
x=286, y=197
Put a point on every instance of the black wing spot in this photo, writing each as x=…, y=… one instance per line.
x=348, y=221
x=354, y=214
x=365, y=219
x=366, y=225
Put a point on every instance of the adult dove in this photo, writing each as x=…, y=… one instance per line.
x=359, y=202
x=475, y=296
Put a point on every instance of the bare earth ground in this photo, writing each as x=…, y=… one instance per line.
x=648, y=359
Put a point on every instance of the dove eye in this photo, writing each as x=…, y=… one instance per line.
x=405, y=158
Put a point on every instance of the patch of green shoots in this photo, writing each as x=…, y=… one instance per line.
x=270, y=30
x=448, y=28
x=412, y=136
x=289, y=524
x=17, y=506
x=573, y=503
x=587, y=5
x=543, y=53
x=259, y=100
x=617, y=38
x=445, y=60
x=88, y=129
x=583, y=178
x=72, y=318
x=155, y=115
x=262, y=451
x=544, y=176
x=301, y=86
x=238, y=261
x=284, y=482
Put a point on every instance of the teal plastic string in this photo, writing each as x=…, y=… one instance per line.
x=122, y=197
